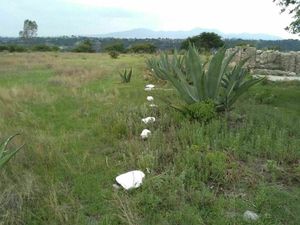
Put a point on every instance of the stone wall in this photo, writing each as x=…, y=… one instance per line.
x=268, y=62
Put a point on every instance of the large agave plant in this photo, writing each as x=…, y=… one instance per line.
x=6, y=155
x=195, y=83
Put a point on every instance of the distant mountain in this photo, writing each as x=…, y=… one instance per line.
x=147, y=33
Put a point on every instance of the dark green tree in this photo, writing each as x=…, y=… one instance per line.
x=143, y=48
x=30, y=29
x=293, y=8
x=115, y=47
x=206, y=41
x=84, y=46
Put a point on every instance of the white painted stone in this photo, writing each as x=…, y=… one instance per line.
x=150, y=86
x=153, y=105
x=150, y=98
x=148, y=89
x=249, y=215
x=145, y=134
x=148, y=120
x=116, y=186
x=131, y=179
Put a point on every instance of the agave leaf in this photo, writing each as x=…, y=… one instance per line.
x=4, y=159
x=3, y=146
x=195, y=69
x=242, y=89
x=214, y=74
x=5, y=156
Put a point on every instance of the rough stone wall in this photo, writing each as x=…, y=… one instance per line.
x=268, y=62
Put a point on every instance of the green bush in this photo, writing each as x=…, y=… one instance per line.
x=264, y=97
x=115, y=47
x=114, y=54
x=84, y=46
x=202, y=111
x=13, y=48
x=143, y=48
x=44, y=48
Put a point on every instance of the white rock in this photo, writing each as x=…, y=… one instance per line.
x=131, y=179
x=145, y=133
x=249, y=215
x=150, y=98
x=148, y=89
x=150, y=86
x=148, y=120
x=116, y=186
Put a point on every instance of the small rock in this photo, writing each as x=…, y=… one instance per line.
x=145, y=134
x=150, y=86
x=153, y=106
x=249, y=215
x=150, y=98
x=148, y=120
x=131, y=179
x=116, y=186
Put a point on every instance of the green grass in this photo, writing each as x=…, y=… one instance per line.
x=81, y=127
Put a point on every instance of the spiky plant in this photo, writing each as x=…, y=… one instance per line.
x=126, y=76
x=5, y=154
x=219, y=83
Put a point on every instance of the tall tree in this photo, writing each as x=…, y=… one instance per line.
x=30, y=28
x=293, y=8
x=205, y=41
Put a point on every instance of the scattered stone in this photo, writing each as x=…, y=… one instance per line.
x=150, y=86
x=150, y=98
x=131, y=179
x=249, y=215
x=153, y=106
x=116, y=186
x=148, y=120
x=145, y=134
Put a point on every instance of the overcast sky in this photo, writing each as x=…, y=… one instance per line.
x=88, y=17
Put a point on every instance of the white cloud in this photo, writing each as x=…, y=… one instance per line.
x=253, y=16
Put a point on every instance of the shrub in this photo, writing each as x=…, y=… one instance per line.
x=44, y=48
x=203, y=111
x=143, y=48
x=126, y=76
x=13, y=48
x=114, y=54
x=264, y=97
x=3, y=48
x=218, y=83
x=84, y=46
x=6, y=155
x=115, y=47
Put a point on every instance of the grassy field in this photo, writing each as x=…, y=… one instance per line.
x=81, y=127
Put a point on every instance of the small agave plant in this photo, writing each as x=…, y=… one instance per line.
x=5, y=154
x=196, y=82
x=126, y=76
